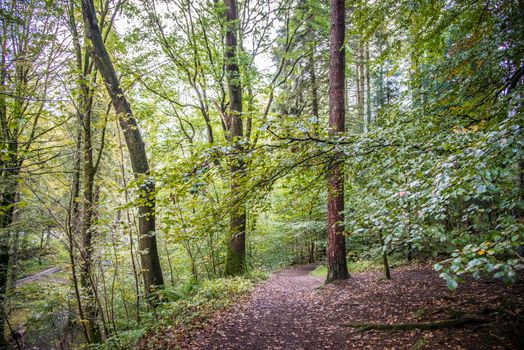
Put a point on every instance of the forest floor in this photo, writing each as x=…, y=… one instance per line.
x=294, y=310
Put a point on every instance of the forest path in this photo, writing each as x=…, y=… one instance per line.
x=290, y=311
x=281, y=314
x=38, y=276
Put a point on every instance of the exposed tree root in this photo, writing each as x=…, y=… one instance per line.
x=455, y=322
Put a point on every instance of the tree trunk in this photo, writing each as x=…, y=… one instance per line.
x=72, y=226
x=314, y=90
x=385, y=260
x=9, y=170
x=337, y=265
x=88, y=203
x=8, y=200
x=236, y=250
x=362, y=89
x=311, y=252
x=86, y=294
x=15, y=249
x=152, y=271
x=7, y=204
x=368, y=90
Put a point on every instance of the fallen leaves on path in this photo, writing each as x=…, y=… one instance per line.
x=293, y=310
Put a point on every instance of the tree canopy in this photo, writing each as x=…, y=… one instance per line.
x=153, y=150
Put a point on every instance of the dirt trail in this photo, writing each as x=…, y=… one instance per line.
x=290, y=311
x=273, y=318
x=38, y=276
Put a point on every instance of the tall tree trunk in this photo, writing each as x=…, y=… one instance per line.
x=152, y=271
x=8, y=198
x=236, y=250
x=337, y=265
x=88, y=204
x=86, y=294
x=8, y=185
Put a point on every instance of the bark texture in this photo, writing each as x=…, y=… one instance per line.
x=85, y=294
x=336, y=255
x=236, y=250
x=88, y=205
x=152, y=271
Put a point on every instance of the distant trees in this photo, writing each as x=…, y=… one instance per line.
x=210, y=50
x=30, y=57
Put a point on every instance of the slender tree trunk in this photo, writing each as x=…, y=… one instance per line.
x=314, y=88
x=236, y=250
x=88, y=204
x=311, y=251
x=368, y=90
x=357, y=83
x=250, y=112
x=15, y=249
x=361, y=83
x=385, y=260
x=130, y=220
x=381, y=86
x=72, y=226
x=337, y=265
x=84, y=113
x=152, y=271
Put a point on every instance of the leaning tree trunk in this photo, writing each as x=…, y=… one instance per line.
x=337, y=266
x=152, y=270
x=236, y=250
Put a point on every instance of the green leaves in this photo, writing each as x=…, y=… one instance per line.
x=451, y=283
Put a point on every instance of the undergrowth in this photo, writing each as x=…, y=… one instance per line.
x=186, y=306
x=358, y=266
